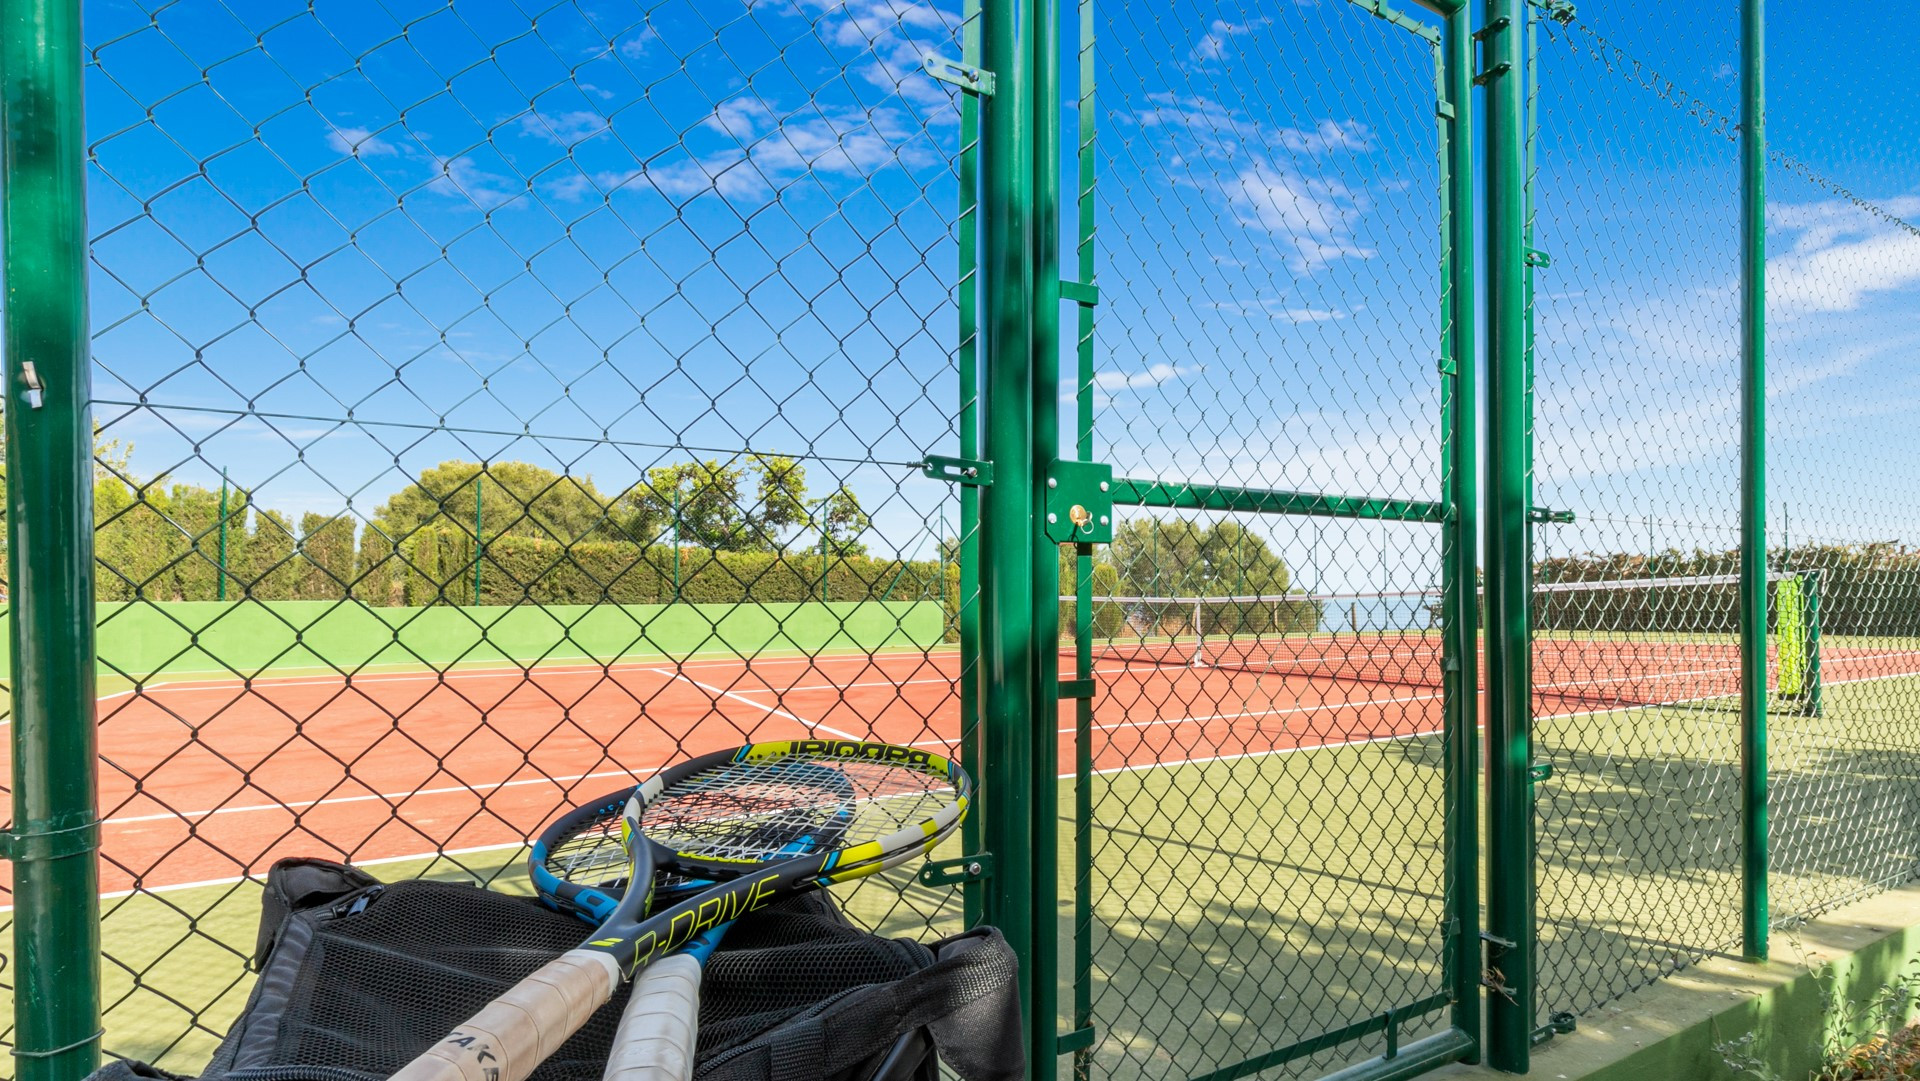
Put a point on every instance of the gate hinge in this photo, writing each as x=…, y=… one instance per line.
x=973, y=80
x=1546, y=514
x=1491, y=73
x=1560, y=11
x=1079, y=1039
x=1079, y=502
x=1559, y=1023
x=958, y=470
x=965, y=869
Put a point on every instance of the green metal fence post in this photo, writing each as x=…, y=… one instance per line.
x=1043, y=598
x=1510, y=870
x=1009, y=528
x=49, y=438
x=1460, y=579
x=479, y=523
x=1753, y=479
x=1086, y=266
x=220, y=578
x=967, y=309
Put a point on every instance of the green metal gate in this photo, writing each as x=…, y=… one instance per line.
x=1265, y=685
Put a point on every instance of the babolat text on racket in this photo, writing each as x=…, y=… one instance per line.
x=736, y=818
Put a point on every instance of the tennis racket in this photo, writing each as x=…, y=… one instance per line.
x=579, y=865
x=717, y=813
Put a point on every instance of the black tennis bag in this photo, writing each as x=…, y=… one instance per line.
x=357, y=976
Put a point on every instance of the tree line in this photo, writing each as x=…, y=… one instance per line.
x=1864, y=588
x=729, y=521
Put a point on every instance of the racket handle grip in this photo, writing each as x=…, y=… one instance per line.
x=661, y=1026
x=512, y=1035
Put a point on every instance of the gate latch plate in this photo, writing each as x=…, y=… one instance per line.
x=1079, y=502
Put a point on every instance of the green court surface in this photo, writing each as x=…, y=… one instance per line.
x=140, y=641
x=1247, y=904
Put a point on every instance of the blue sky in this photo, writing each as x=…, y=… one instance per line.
x=336, y=247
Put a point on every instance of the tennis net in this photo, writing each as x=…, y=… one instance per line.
x=1644, y=642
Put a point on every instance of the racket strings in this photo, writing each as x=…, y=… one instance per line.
x=764, y=808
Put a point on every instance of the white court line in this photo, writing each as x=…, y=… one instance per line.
x=775, y=710
x=330, y=801
x=242, y=683
x=1169, y=721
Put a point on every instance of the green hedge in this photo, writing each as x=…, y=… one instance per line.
x=436, y=566
x=140, y=640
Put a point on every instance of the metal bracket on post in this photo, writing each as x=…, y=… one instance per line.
x=1480, y=38
x=966, y=471
x=1085, y=294
x=1079, y=502
x=1547, y=515
x=965, y=869
x=971, y=79
x=1536, y=257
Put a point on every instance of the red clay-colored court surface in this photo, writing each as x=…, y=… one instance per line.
x=209, y=780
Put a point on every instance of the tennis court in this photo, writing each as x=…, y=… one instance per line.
x=448, y=773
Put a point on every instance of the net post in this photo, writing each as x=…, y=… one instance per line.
x=1510, y=869
x=50, y=552
x=1815, y=685
x=1753, y=529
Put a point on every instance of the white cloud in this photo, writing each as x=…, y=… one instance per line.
x=359, y=143
x=1215, y=44
x=1314, y=216
x=1274, y=308
x=899, y=36
x=635, y=47
x=770, y=151
x=1839, y=256
x=1152, y=376
x=564, y=129
x=461, y=177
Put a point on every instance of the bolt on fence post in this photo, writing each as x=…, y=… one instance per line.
x=1753, y=479
x=49, y=441
x=1510, y=870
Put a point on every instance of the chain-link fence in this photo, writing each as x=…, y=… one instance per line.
x=1842, y=393
x=1636, y=361
x=1266, y=237
x=492, y=405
